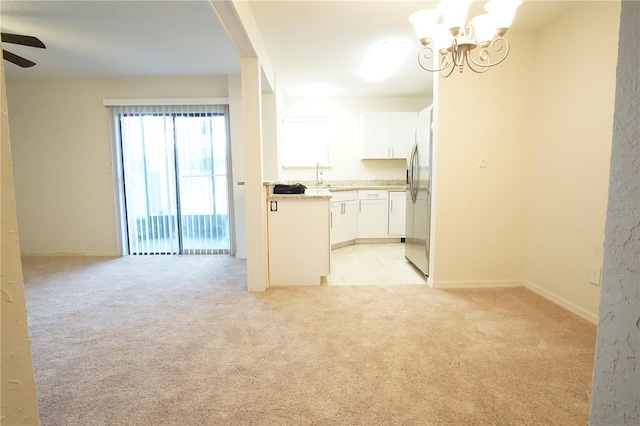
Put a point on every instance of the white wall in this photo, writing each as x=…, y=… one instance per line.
x=62, y=157
x=237, y=164
x=480, y=213
x=269, y=137
x=543, y=119
x=344, y=148
x=18, y=404
x=616, y=376
x=570, y=153
x=255, y=194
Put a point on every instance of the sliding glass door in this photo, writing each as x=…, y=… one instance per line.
x=175, y=182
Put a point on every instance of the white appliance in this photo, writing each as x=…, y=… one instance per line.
x=419, y=193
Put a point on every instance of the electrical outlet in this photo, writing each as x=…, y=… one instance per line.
x=595, y=275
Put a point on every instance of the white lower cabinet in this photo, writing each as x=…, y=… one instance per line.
x=344, y=217
x=397, y=213
x=367, y=214
x=373, y=214
x=299, y=247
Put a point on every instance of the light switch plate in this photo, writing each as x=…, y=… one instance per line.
x=482, y=161
x=595, y=275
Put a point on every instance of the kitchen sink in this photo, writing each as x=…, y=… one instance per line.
x=317, y=190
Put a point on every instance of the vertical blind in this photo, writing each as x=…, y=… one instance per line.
x=174, y=178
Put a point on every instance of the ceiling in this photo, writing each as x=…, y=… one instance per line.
x=307, y=41
x=327, y=41
x=110, y=39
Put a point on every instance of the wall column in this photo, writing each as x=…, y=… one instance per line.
x=18, y=392
x=616, y=372
x=256, y=216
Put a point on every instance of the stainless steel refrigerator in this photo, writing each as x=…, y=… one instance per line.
x=419, y=194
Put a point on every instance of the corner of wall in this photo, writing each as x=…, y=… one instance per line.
x=18, y=393
x=237, y=165
x=566, y=304
x=615, y=392
x=569, y=156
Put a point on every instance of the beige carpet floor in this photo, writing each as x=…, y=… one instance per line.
x=177, y=341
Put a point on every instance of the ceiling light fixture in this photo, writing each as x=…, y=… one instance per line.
x=456, y=40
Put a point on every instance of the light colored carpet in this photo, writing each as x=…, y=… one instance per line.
x=177, y=341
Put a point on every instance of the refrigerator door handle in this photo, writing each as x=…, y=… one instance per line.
x=413, y=190
x=410, y=176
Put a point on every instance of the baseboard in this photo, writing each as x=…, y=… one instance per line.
x=475, y=284
x=430, y=282
x=582, y=313
x=388, y=240
x=343, y=244
x=366, y=241
x=69, y=255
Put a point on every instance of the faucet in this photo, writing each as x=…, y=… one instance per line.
x=318, y=175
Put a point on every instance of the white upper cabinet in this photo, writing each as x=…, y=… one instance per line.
x=402, y=133
x=374, y=135
x=387, y=135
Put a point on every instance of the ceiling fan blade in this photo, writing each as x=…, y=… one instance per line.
x=18, y=60
x=23, y=40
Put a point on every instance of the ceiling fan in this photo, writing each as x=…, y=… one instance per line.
x=23, y=40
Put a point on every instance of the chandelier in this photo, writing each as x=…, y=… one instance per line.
x=456, y=44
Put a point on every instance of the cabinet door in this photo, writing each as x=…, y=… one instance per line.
x=402, y=129
x=374, y=135
x=350, y=220
x=336, y=223
x=344, y=221
x=372, y=220
x=397, y=212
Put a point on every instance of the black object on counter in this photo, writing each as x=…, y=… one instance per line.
x=296, y=188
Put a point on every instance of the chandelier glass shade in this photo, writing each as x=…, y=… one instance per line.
x=450, y=42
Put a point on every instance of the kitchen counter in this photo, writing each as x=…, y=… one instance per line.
x=297, y=196
x=339, y=186
x=354, y=188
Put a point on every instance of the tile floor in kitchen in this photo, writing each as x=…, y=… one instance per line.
x=372, y=264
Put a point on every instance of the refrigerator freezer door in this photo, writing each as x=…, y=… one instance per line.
x=419, y=195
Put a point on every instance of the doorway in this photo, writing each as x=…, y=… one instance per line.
x=174, y=179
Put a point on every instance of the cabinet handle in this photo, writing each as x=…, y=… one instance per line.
x=391, y=205
x=343, y=209
x=392, y=152
x=331, y=220
x=360, y=206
